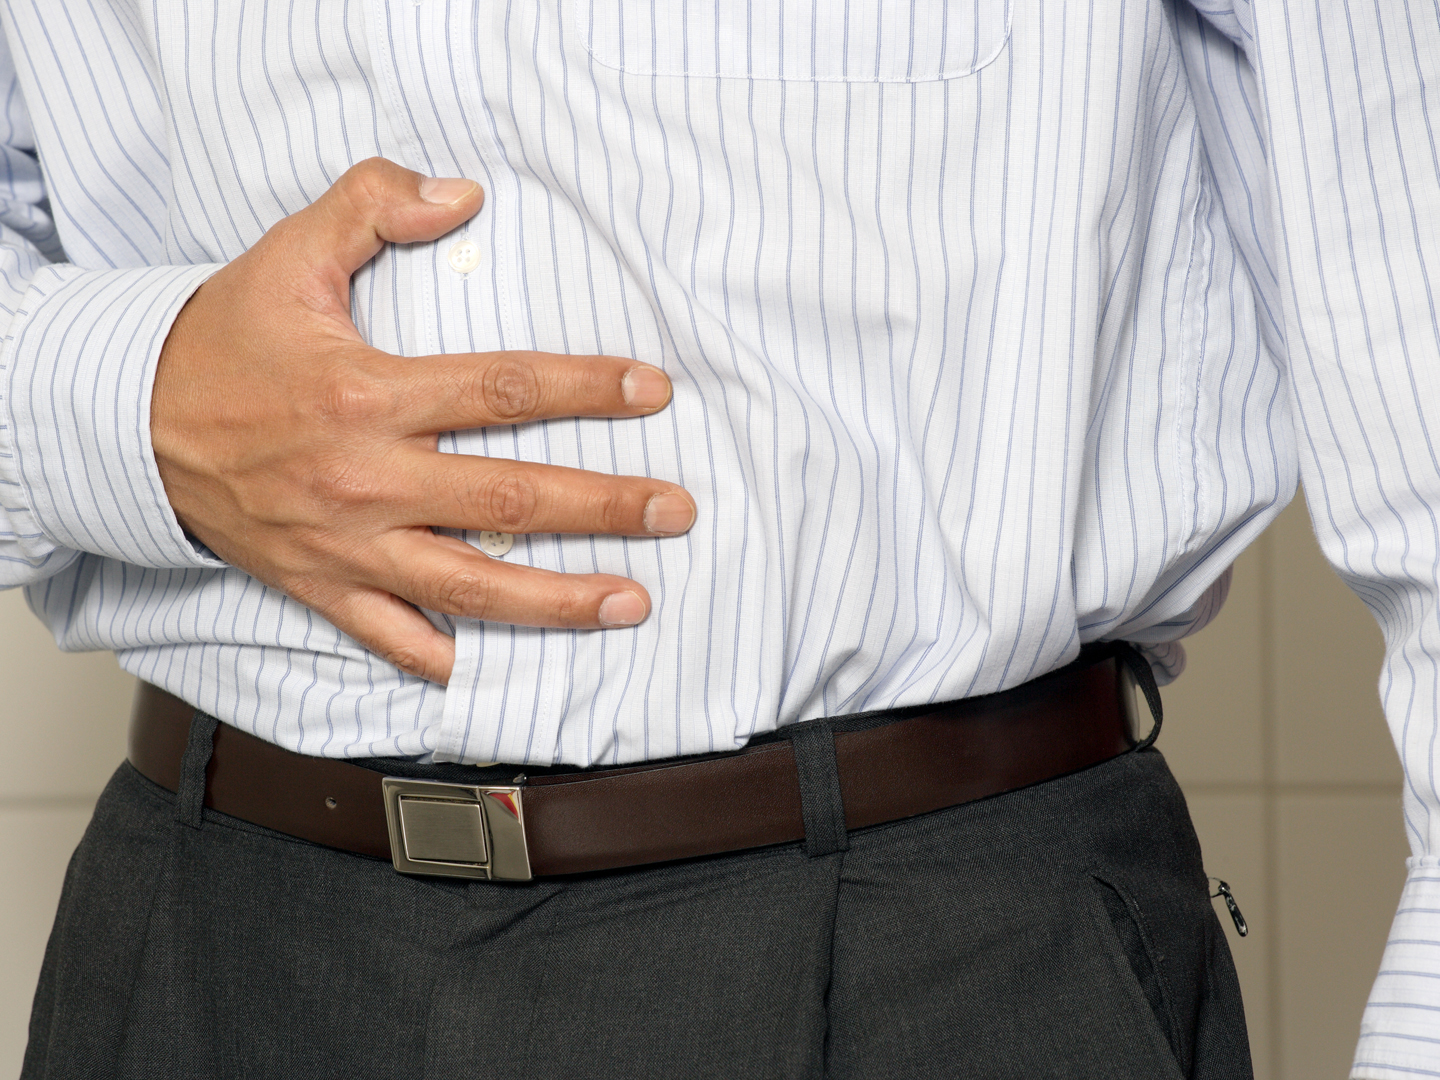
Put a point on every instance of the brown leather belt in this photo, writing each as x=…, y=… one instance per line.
x=567, y=823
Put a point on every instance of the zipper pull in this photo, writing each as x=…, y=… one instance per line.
x=1223, y=889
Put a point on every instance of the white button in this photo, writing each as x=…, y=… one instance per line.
x=496, y=543
x=464, y=257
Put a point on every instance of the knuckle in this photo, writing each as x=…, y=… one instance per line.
x=618, y=510
x=509, y=390
x=464, y=591
x=374, y=165
x=570, y=609
x=363, y=185
x=510, y=501
x=363, y=179
x=407, y=658
x=344, y=398
x=342, y=481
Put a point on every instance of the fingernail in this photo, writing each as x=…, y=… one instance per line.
x=621, y=609
x=445, y=191
x=669, y=513
x=645, y=387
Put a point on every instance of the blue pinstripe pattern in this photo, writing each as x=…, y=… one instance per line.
x=994, y=328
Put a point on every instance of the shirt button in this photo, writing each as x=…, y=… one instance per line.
x=464, y=256
x=496, y=543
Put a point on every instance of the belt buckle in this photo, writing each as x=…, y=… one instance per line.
x=456, y=830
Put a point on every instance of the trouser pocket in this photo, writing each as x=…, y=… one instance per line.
x=1174, y=971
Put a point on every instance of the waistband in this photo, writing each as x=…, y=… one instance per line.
x=812, y=781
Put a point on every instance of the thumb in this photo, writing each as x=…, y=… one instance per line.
x=378, y=202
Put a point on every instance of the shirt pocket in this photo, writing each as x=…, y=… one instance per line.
x=865, y=41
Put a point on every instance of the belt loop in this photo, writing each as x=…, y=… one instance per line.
x=1144, y=677
x=190, y=799
x=820, y=802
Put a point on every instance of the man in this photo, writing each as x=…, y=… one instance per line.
x=991, y=330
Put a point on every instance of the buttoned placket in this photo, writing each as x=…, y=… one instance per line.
x=464, y=257
x=466, y=299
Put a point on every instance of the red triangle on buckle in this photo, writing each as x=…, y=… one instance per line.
x=505, y=799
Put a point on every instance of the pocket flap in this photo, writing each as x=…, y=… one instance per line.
x=811, y=40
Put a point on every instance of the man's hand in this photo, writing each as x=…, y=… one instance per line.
x=295, y=451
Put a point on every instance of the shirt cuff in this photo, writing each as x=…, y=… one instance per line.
x=1400, y=1031
x=79, y=366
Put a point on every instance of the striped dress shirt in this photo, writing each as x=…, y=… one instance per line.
x=995, y=326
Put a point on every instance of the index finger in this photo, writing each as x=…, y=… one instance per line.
x=456, y=391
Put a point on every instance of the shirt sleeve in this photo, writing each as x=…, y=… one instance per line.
x=1319, y=125
x=77, y=362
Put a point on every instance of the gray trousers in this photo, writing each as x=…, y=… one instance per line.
x=1059, y=931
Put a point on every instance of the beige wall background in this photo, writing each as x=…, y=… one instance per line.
x=1275, y=732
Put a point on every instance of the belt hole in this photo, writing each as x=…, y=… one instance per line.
x=330, y=802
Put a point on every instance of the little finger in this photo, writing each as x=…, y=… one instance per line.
x=445, y=575
x=395, y=631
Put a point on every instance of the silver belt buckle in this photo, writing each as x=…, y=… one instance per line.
x=456, y=830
